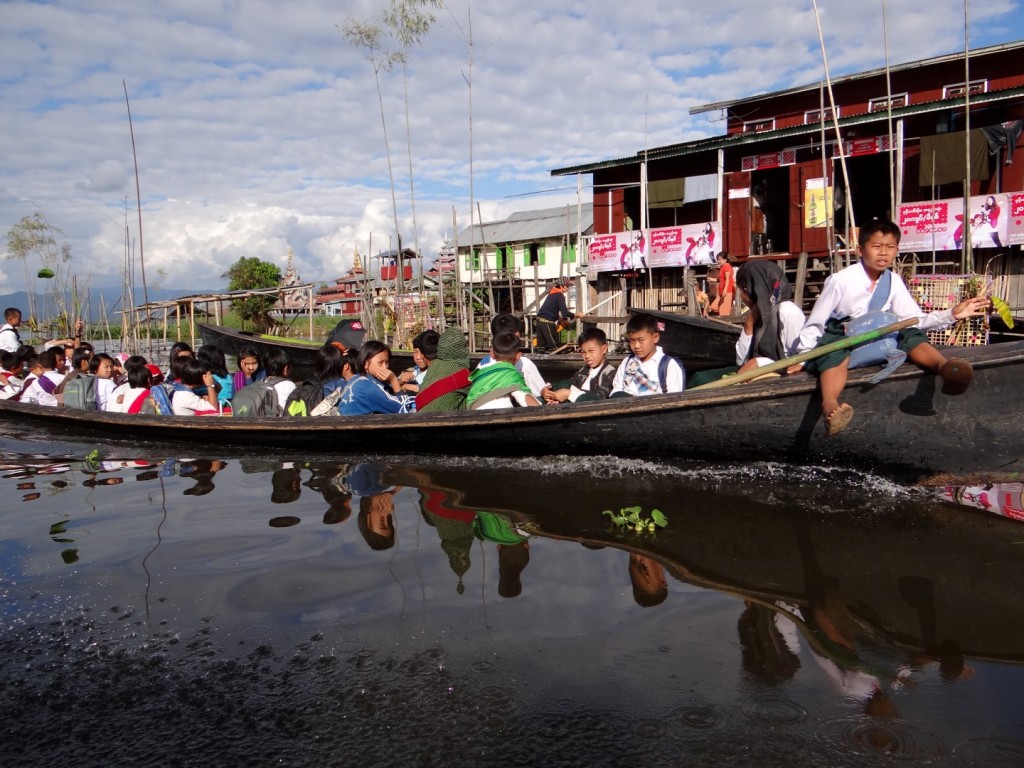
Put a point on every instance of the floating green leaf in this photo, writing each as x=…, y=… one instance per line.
x=58, y=528
x=1003, y=310
x=45, y=272
x=632, y=519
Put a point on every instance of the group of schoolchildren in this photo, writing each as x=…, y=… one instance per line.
x=352, y=376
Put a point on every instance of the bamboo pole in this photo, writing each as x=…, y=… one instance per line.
x=812, y=354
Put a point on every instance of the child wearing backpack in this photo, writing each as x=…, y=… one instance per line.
x=249, y=369
x=138, y=398
x=116, y=402
x=223, y=381
x=591, y=382
x=266, y=397
x=102, y=367
x=184, y=401
x=500, y=384
x=647, y=370
x=374, y=388
x=328, y=376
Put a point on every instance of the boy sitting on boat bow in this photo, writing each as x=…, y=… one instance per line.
x=872, y=286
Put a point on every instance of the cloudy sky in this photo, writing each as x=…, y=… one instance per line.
x=258, y=126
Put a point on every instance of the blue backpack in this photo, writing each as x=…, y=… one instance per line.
x=663, y=371
x=161, y=399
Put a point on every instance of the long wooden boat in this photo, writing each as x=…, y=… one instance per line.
x=903, y=427
x=696, y=337
x=555, y=367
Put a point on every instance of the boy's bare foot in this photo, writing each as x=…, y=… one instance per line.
x=957, y=375
x=838, y=419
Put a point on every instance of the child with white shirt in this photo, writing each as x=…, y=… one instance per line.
x=647, y=370
x=594, y=380
x=41, y=389
x=848, y=294
x=184, y=400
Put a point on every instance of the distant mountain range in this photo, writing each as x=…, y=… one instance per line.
x=94, y=303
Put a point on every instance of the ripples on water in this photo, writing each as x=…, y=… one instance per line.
x=229, y=611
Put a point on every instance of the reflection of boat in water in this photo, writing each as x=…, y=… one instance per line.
x=921, y=576
x=904, y=428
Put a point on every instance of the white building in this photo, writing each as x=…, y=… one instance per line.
x=526, y=253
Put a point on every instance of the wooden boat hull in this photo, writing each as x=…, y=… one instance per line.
x=696, y=337
x=301, y=353
x=903, y=427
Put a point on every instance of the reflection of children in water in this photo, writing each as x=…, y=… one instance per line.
x=286, y=485
x=650, y=587
x=376, y=519
x=458, y=527
x=202, y=471
x=376, y=505
x=770, y=638
x=512, y=561
x=329, y=480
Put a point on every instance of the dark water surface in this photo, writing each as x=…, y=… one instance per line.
x=163, y=608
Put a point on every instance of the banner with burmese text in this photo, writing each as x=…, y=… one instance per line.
x=993, y=221
x=685, y=245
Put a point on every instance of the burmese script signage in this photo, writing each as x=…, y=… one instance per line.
x=869, y=146
x=992, y=221
x=689, y=244
x=770, y=160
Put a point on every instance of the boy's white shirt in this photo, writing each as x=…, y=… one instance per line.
x=674, y=380
x=848, y=292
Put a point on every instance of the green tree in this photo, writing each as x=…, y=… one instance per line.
x=34, y=236
x=249, y=274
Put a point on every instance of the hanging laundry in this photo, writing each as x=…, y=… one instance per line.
x=1004, y=135
x=946, y=153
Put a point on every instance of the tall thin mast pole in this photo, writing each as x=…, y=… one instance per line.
x=966, y=257
x=138, y=202
x=851, y=222
x=888, y=110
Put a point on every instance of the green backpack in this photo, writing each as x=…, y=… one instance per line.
x=257, y=400
x=304, y=398
x=80, y=392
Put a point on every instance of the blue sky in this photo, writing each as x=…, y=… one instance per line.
x=258, y=127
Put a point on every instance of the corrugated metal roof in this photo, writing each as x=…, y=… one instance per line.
x=860, y=76
x=530, y=226
x=739, y=139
